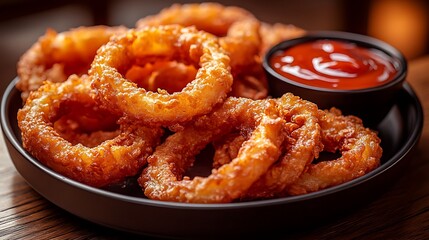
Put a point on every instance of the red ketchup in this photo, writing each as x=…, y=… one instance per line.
x=334, y=64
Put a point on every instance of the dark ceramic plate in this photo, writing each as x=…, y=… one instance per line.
x=127, y=210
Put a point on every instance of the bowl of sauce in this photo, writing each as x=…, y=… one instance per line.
x=355, y=73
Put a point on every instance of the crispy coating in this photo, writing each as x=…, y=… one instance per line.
x=163, y=178
x=111, y=161
x=55, y=56
x=300, y=148
x=237, y=29
x=359, y=148
x=238, y=33
x=138, y=47
x=211, y=17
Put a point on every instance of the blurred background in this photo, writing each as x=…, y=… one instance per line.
x=403, y=24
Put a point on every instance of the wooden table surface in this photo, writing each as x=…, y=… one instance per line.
x=401, y=212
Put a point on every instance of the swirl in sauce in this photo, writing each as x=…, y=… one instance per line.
x=334, y=64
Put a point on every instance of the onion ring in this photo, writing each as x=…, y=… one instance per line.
x=163, y=178
x=211, y=85
x=238, y=32
x=109, y=162
x=55, y=56
x=360, y=153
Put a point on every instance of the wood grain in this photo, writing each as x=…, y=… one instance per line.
x=401, y=212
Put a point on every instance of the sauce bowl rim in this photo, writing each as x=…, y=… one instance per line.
x=359, y=39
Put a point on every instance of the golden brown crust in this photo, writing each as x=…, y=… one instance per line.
x=359, y=148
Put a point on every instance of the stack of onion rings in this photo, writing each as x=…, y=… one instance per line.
x=238, y=32
x=164, y=178
x=98, y=100
x=299, y=119
x=298, y=171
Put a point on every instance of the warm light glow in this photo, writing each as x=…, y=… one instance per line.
x=402, y=24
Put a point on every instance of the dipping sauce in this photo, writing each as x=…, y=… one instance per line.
x=334, y=64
